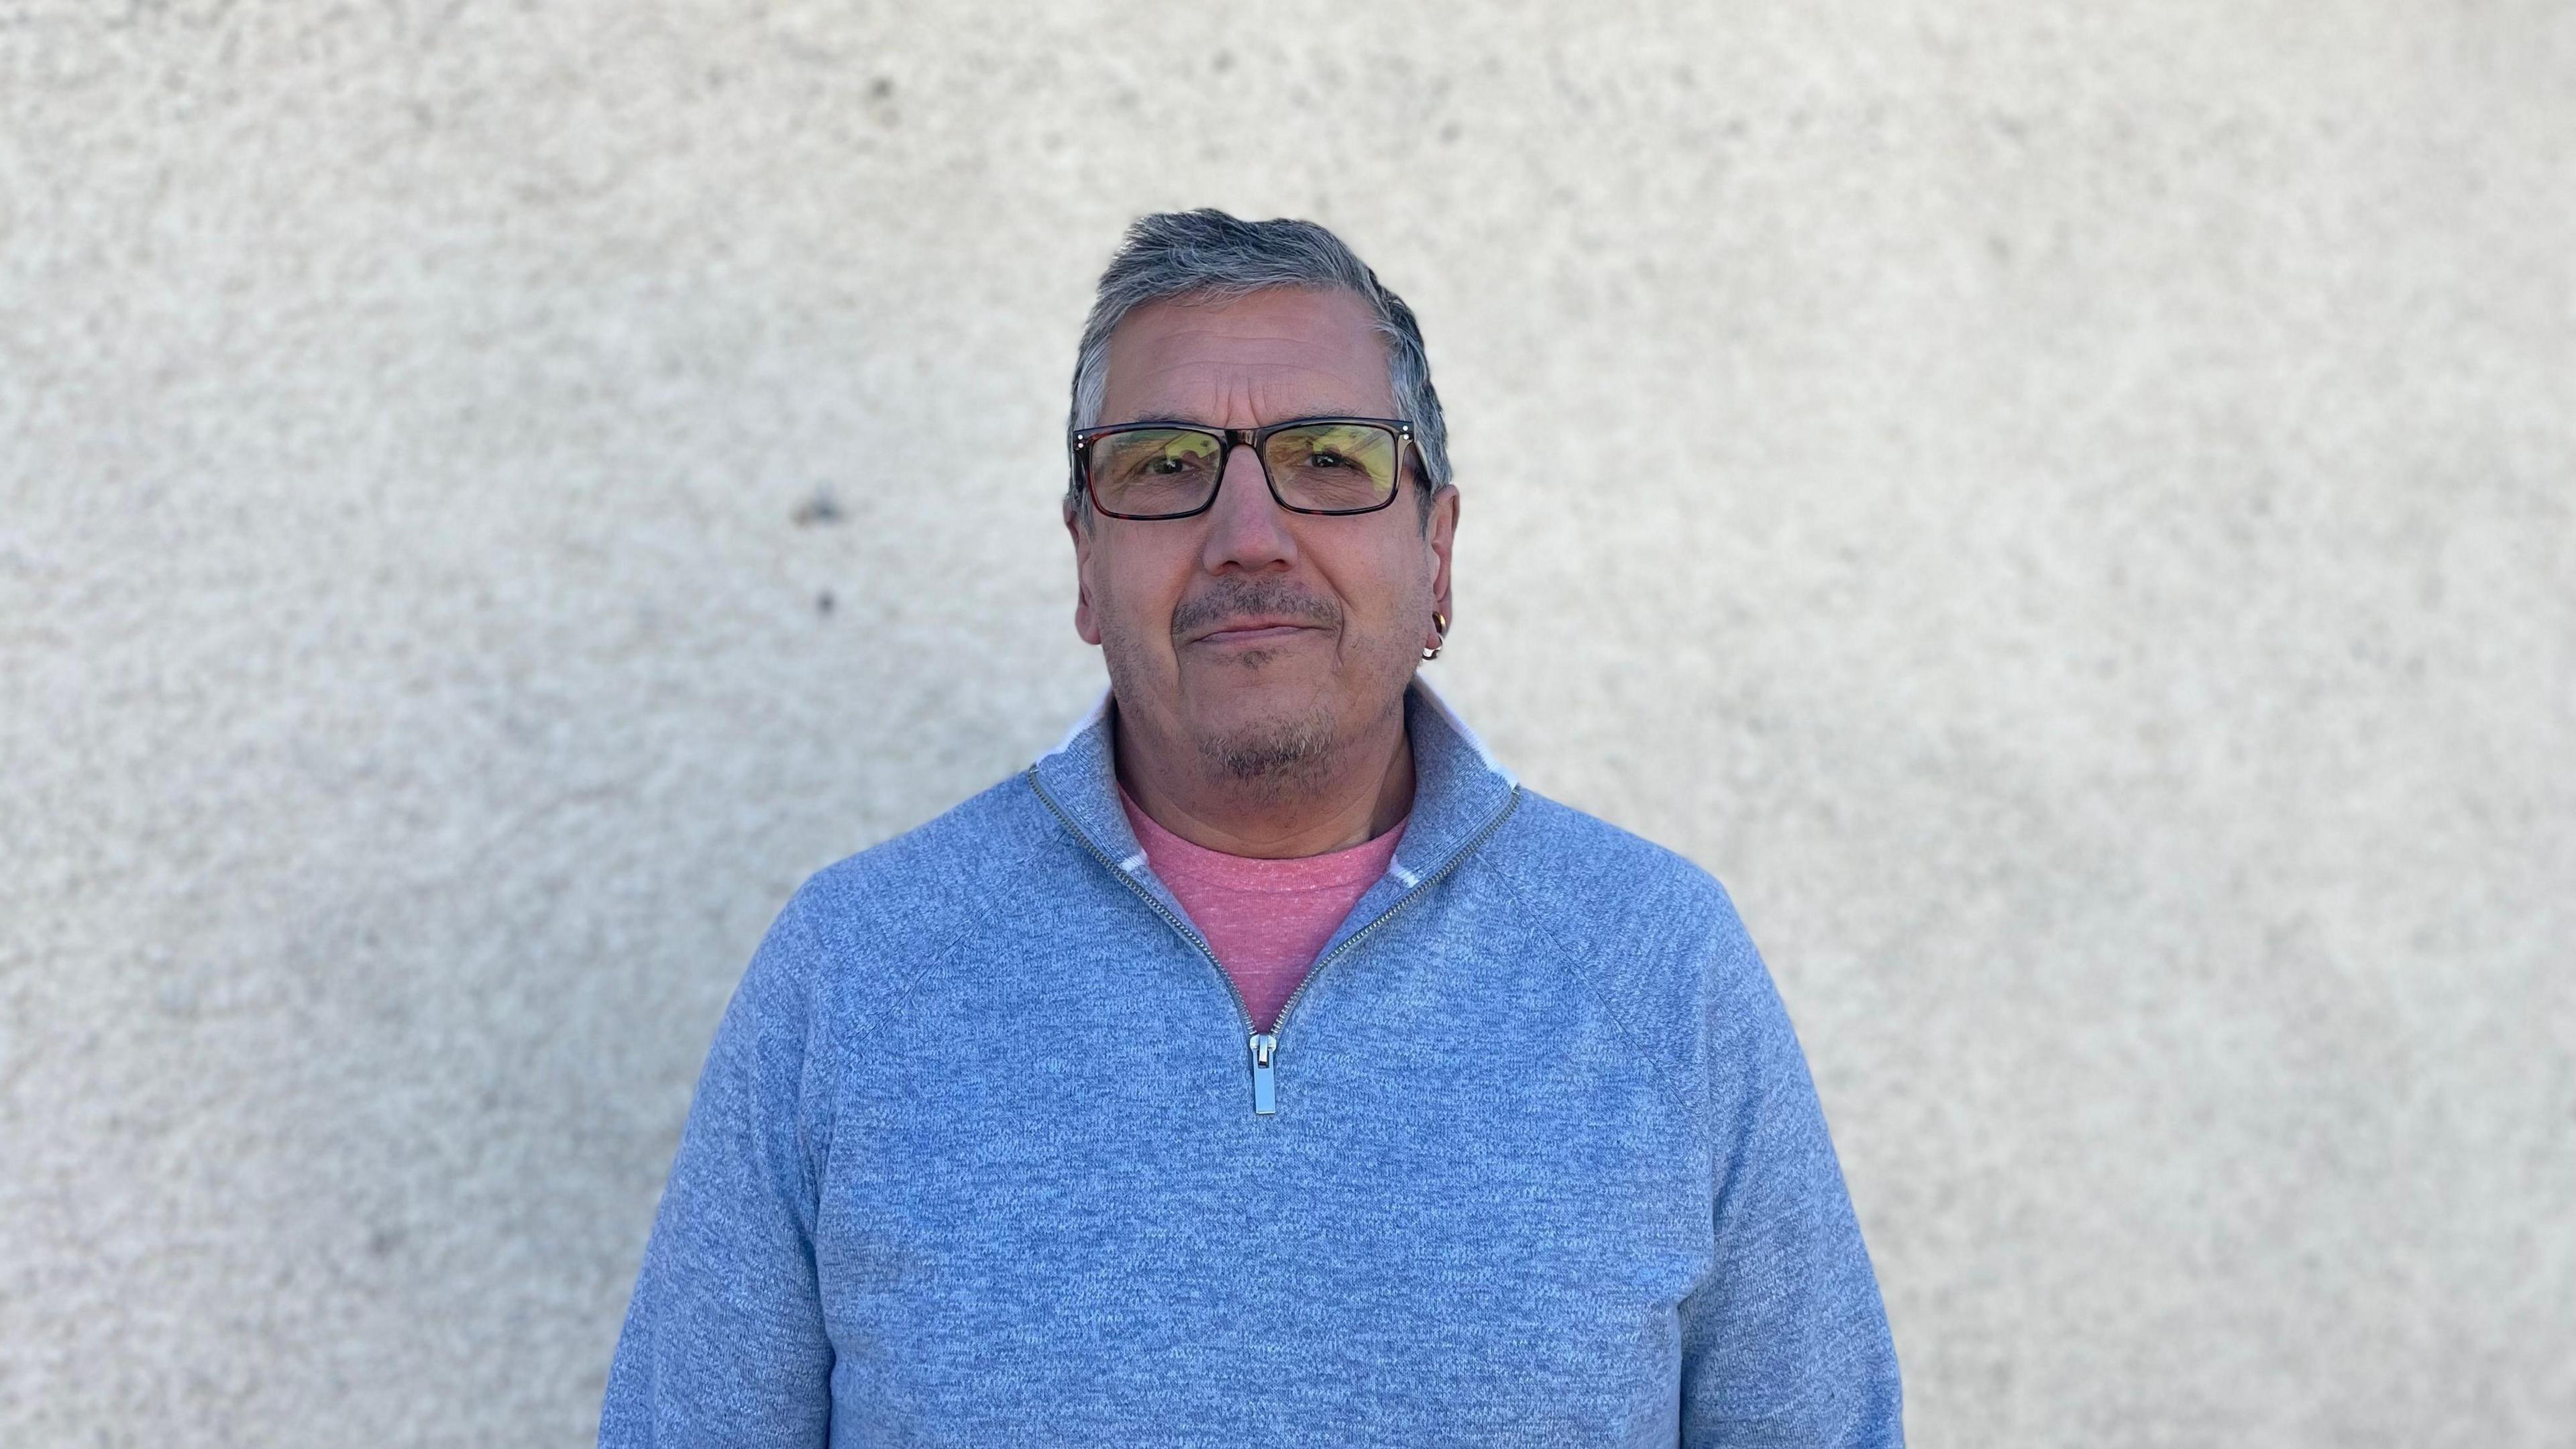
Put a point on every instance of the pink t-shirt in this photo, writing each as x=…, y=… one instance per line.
x=1265, y=919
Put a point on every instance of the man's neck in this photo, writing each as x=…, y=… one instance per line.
x=1356, y=801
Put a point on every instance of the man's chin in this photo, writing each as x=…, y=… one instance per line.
x=1269, y=746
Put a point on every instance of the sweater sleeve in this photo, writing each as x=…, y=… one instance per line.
x=724, y=1342
x=1786, y=1343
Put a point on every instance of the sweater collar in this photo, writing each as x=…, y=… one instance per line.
x=1459, y=788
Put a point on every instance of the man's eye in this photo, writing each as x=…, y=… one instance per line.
x=1326, y=458
x=1165, y=467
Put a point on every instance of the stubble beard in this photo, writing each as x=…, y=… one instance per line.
x=1272, y=757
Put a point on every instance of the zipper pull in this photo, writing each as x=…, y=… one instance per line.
x=1265, y=1088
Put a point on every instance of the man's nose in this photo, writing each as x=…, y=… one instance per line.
x=1248, y=528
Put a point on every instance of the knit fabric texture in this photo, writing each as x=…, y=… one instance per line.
x=974, y=1157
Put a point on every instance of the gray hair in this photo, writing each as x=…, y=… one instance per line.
x=1209, y=254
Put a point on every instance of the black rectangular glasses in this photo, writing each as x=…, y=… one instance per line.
x=1171, y=470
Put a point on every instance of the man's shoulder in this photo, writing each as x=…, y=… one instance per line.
x=937, y=869
x=1647, y=928
x=1586, y=863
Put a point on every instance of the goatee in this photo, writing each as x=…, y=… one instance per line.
x=1275, y=758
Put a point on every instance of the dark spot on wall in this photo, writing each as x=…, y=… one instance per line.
x=823, y=604
x=820, y=508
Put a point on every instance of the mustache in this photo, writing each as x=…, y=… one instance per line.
x=1267, y=596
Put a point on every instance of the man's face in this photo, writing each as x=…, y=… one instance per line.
x=1266, y=640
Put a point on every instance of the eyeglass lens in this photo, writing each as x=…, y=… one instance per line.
x=1325, y=467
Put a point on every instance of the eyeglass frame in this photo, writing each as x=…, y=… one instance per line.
x=1078, y=444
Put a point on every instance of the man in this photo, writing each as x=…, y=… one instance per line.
x=1265, y=1064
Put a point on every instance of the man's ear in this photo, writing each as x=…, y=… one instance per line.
x=1439, y=532
x=1077, y=522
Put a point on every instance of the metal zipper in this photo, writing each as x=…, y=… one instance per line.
x=1265, y=1044
x=1262, y=1056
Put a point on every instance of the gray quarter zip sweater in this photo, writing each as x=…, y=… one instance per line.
x=986, y=1152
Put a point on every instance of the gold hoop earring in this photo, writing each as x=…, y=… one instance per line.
x=1440, y=626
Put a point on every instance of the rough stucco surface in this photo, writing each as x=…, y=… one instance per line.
x=2069, y=511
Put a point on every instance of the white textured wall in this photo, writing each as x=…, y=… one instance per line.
x=2069, y=510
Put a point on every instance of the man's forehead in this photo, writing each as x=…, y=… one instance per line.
x=1279, y=352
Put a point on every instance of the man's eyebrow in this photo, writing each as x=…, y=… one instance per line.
x=1160, y=421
